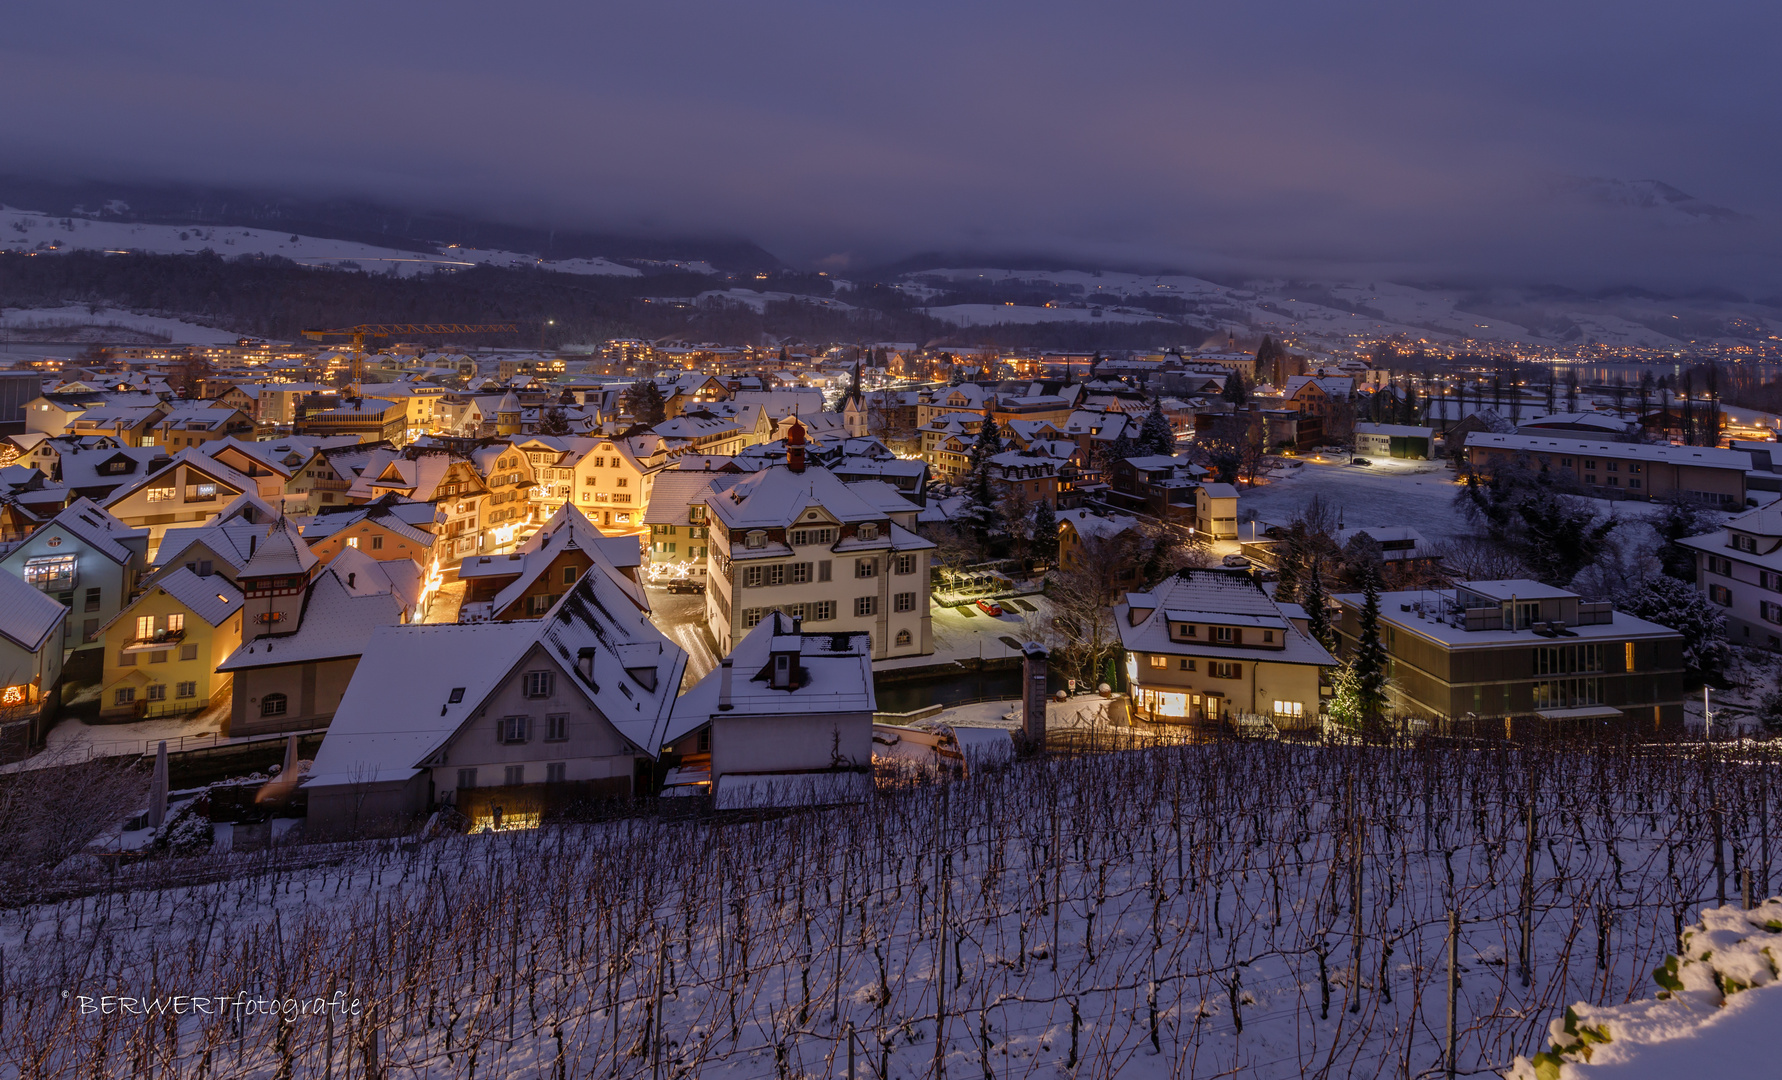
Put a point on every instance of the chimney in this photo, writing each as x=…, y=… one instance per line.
x=724, y=685
x=795, y=446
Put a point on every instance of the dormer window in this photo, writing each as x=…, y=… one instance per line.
x=756, y=539
x=1744, y=543
x=868, y=531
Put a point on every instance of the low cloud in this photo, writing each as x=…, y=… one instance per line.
x=1295, y=138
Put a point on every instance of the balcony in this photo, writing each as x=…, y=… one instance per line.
x=163, y=639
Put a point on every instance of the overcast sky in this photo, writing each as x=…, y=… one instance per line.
x=1403, y=139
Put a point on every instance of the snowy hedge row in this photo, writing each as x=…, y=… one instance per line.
x=1731, y=951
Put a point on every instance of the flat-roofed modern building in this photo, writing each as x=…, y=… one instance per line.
x=1514, y=656
x=1706, y=474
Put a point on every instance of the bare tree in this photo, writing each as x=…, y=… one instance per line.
x=51, y=811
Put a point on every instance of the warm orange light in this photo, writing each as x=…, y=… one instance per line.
x=12, y=695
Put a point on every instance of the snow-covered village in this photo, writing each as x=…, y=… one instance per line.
x=889, y=544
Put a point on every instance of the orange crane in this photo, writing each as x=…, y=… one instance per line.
x=361, y=332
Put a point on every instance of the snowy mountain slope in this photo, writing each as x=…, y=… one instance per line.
x=78, y=323
x=22, y=230
x=1336, y=311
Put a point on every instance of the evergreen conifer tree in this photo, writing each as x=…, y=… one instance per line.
x=1155, y=435
x=1235, y=391
x=1359, y=684
x=1045, y=532
x=645, y=401
x=1367, y=668
x=1313, y=600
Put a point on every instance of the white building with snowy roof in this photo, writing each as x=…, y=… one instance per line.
x=290, y=676
x=505, y=721
x=796, y=539
x=784, y=720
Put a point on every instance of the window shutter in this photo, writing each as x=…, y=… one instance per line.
x=500, y=731
x=529, y=729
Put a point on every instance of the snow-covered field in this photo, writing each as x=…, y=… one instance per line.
x=992, y=314
x=1388, y=492
x=1253, y=909
x=23, y=230
x=79, y=323
x=1419, y=494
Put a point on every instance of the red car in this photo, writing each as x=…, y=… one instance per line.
x=989, y=607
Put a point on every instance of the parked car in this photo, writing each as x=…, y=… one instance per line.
x=989, y=607
x=686, y=585
x=1236, y=562
x=1360, y=461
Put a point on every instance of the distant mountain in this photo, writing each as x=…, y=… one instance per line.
x=360, y=222
x=1649, y=196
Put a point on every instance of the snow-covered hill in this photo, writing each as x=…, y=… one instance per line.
x=1338, y=312
x=22, y=230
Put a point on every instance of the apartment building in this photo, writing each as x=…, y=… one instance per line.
x=1739, y=567
x=793, y=538
x=1516, y=657
x=1706, y=474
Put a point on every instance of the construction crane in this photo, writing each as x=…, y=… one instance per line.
x=365, y=330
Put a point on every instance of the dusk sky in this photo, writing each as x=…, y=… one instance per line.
x=1404, y=139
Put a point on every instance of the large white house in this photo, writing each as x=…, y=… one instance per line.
x=1739, y=567
x=796, y=539
x=504, y=721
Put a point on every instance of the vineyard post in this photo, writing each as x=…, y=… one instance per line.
x=1528, y=860
x=850, y=1050
x=1354, y=902
x=655, y=1026
x=1453, y=986
x=940, y=980
x=1745, y=888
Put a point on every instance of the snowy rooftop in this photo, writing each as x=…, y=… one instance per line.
x=1422, y=612
x=1212, y=597
x=336, y=621
x=27, y=618
x=835, y=676
x=1705, y=456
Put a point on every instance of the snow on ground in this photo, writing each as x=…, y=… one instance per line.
x=992, y=314
x=958, y=636
x=1155, y=914
x=1079, y=711
x=23, y=230
x=758, y=301
x=80, y=324
x=1389, y=492
x=1692, y=1029
x=73, y=740
x=1419, y=494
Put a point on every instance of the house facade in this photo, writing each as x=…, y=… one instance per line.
x=795, y=539
x=784, y=720
x=1517, y=656
x=526, y=718
x=85, y=559
x=1739, y=568
x=1209, y=646
x=162, y=650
